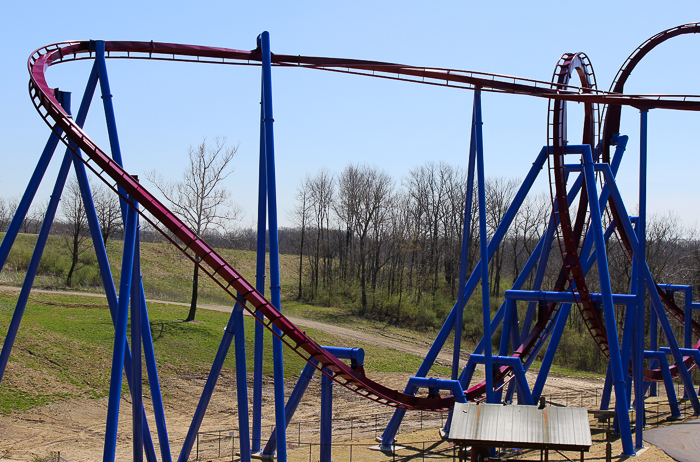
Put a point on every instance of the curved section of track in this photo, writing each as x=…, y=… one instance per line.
x=211, y=262
x=611, y=126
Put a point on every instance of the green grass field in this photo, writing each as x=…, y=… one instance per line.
x=64, y=348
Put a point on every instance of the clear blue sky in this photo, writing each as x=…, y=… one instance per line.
x=327, y=120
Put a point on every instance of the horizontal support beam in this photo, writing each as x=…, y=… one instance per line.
x=562, y=297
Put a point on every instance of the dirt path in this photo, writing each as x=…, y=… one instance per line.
x=419, y=349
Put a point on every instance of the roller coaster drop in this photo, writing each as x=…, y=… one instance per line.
x=519, y=346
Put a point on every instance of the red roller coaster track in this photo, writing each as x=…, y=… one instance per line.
x=227, y=277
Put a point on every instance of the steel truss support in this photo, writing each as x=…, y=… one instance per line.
x=393, y=426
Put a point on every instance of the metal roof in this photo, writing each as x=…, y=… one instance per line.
x=496, y=425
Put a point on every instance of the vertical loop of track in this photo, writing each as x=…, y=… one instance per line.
x=569, y=233
x=611, y=127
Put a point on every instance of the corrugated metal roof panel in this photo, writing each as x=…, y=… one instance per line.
x=521, y=426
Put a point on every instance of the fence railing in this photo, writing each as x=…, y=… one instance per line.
x=303, y=436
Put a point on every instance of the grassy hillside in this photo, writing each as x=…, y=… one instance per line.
x=64, y=348
x=167, y=274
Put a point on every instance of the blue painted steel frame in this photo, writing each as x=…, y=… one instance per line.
x=608, y=308
x=136, y=335
x=393, y=426
x=357, y=358
x=99, y=73
x=260, y=286
x=64, y=99
x=651, y=289
x=209, y=386
x=275, y=295
x=483, y=244
x=115, y=388
x=639, y=290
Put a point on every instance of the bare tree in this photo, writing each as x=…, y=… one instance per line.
x=5, y=214
x=108, y=211
x=527, y=228
x=199, y=198
x=77, y=228
x=300, y=216
x=363, y=196
x=321, y=192
x=499, y=194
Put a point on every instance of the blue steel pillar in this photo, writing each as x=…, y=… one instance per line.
x=30, y=192
x=483, y=238
x=208, y=390
x=275, y=295
x=465, y=253
x=136, y=369
x=299, y=389
x=608, y=308
x=110, y=291
x=656, y=303
x=464, y=257
x=638, y=350
x=43, y=236
x=260, y=286
x=115, y=388
x=110, y=118
x=241, y=382
x=326, y=417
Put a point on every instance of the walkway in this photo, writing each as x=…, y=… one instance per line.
x=680, y=441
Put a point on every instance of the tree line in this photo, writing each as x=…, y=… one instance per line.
x=388, y=249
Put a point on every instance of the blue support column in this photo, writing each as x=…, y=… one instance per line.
x=652, y=290
x=465, y=254
x=209, y=387
x=260, y=286
x=241, y=382
x=115, y=388
x=29, y=193
x=299, y=389
x=653, y=346
x=688, y=306
x=154, y=381
x=660, y=356
x=472, y=282
x=110, y=118
x=608, y=308
x=548, y=359
x=638, y=352
x=34, y=264
x=136, y=328
x=628, y=333
x=275, y=295
x=483, y=238
x=64, y=99
x=326, y=418
x=464, y=257
x=607, y=390
x=108, y=282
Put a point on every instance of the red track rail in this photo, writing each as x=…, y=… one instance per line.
x=216, y=267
